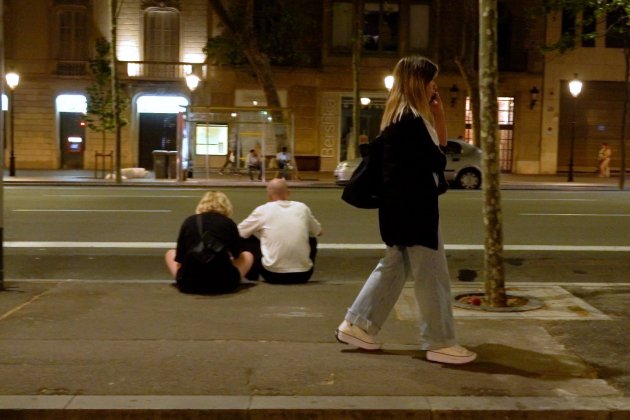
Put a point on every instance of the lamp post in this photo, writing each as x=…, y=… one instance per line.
x=575, y=87
x=13, y=80
x=192, y=81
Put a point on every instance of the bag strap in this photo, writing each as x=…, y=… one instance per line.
x=200, y=225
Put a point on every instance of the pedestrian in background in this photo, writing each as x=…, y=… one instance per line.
x=413, y=128
x=253, y=165
x=230, y=162
x=603, y=158
x=281, y=236
x=283, y=160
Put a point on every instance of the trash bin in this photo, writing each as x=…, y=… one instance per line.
x=172, y=164
x=160, y=164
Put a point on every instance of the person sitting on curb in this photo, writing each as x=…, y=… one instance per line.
x=231, y=263
x=281, y=236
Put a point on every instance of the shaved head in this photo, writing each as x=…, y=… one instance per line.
x=277, y=189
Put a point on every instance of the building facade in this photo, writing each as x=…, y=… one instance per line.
x=159, y=43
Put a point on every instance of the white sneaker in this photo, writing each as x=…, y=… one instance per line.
x=455, y=355
x=355, y=336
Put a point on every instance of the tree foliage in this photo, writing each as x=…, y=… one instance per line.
x=614, y=13
x=283, y=30
x=100, y=110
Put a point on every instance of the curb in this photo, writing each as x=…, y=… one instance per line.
x=311, y=407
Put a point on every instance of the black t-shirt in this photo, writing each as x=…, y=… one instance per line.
x=221, y=227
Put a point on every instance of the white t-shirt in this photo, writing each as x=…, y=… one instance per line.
x=283, y=228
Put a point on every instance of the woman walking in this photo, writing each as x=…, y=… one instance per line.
x=413, y=128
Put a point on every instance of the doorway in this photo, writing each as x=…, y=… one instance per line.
x=71, y=109
x=157, y=121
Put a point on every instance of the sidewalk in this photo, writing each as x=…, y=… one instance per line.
x=141, y=350
x=306, y=179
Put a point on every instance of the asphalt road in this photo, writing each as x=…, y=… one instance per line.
x=121, y=233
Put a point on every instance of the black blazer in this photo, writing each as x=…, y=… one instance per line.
x=409, y=213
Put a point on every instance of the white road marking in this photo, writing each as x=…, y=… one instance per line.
x=53, y=244
x=89, y=211
x=119, y=196
x=548, y=199
x=577, y=214
x=339, y=246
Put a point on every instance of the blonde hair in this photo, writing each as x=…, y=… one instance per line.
x=215, y=202
x=411, y=75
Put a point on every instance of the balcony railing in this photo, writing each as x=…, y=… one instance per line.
x=71, y=68
x=160, y=70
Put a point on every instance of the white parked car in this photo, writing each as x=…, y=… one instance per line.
x=463, y=166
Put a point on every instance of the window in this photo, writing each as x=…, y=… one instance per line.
x=419, y=18
x=211, y=139
x=72, y=34
x=72, y=40
x=617, y=29
x=589, y=26
x=505, y=117
x=342, y=26
x=380, y=26
x=568, y=23
x=381, y=20
x=161, y=35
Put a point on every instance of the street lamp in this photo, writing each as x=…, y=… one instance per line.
x=389, y=82
x=575, y=87
x=13, y=80
x=192, y=81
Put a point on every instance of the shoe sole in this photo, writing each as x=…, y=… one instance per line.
x=353, y=341
x=449, y=359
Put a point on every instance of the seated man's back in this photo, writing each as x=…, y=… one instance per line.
x=286, y=230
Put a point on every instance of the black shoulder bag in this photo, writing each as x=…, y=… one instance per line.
x=203, y=261
x=364, y=187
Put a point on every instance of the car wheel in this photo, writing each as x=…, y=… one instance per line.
x=469, y=179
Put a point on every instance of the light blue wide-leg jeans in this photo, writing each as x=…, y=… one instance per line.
x=428, y=270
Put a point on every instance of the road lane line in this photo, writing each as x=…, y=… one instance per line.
x=578, y=214
x=339, y=246
x=59, y=244
x=118, y=196
x=90, y=211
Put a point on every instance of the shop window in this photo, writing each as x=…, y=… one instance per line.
x=505, y=120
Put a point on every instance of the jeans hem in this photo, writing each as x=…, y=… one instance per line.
x=363, y=323
x=439, y=345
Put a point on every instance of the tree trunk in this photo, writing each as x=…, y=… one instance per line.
x=357, y=45
x=258, y=60
x=493, y=257
x=466, y=63
x=624, y=119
